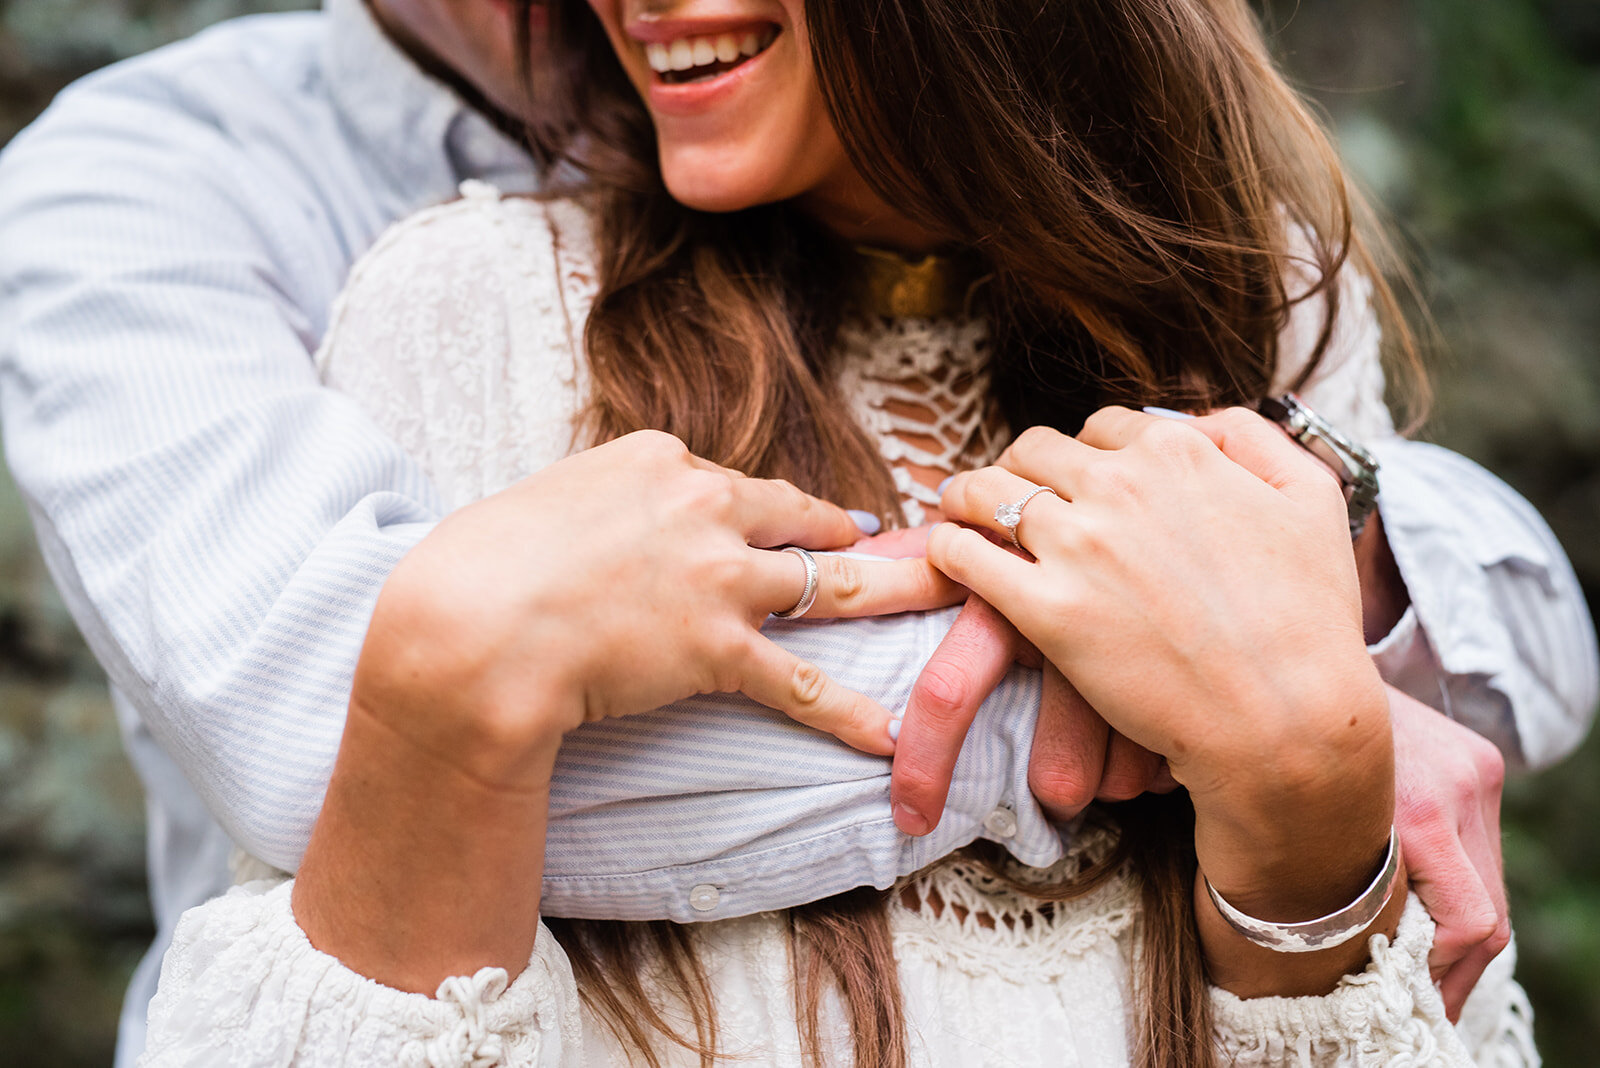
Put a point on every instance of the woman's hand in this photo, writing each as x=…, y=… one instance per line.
x=1075, y=759
x=616, y=581
x=620, y=580
x=1201, y=595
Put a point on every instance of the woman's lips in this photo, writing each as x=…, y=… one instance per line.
x=694, y=65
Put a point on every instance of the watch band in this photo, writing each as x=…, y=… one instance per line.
x=1356, y=467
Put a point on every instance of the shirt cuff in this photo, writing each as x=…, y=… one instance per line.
x=1497, y=635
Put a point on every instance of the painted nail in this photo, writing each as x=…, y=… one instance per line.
x=894, y=729
x=909, y=820
x=866, y=522
x=946, y=484
x=1167, y=413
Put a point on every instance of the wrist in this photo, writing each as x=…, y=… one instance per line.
x=1300, y=830
x=392, y=884
x=1384, y=597
x=433, y=672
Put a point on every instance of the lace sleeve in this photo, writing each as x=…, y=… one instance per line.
x=1389, y=1014
x=242, y=986
x=458, y=335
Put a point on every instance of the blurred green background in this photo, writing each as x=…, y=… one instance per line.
x=1476, y=123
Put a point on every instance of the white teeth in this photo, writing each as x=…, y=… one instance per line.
x=686, y=53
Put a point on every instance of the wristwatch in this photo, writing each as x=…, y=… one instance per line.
x=1356, y=467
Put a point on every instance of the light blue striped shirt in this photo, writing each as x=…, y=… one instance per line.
x=173, y=233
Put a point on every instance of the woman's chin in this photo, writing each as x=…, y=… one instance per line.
x=715, y=189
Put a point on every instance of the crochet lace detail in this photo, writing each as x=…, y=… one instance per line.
x=921, y=388
x=962, y=914
x=1389, y=1014
x=462, y=330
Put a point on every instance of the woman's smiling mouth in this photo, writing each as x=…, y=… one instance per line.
x=692, y=59
x=684, y=51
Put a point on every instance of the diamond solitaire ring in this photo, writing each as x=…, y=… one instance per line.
x=1009, y=515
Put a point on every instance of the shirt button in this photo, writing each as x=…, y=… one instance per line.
x=704, y=897
x=1002, y=822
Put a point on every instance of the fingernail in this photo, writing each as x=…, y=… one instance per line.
x=1167, y=413
x=909, y=820
x=866, y=522
x=945, y=485
x=894, y=728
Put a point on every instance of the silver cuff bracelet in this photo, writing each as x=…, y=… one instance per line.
x=1334, y=929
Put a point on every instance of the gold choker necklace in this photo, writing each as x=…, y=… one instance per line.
x=933, y=287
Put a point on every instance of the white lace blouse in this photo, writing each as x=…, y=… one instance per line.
x=989, y=977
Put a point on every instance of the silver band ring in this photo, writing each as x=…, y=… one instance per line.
x=808, y=596
x=1009, y=515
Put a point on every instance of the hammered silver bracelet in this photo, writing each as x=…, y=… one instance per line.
x=1326, y=932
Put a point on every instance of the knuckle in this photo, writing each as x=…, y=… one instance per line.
x=1032, y=442
x=1068, y=600
x=721, y=572
x=1479, y=930
x=793, y=497
x=807, y=685
x=918, y=779
x=658, y=443
x=1241, y=419
x=1112, y=477
x=1489, y=762
x=709, y=492
x=1173, y=441
x=1086, y=537
x=940, y=692
x=1424, y=817
x=981, y=486
x=1101, y=419
x=847, y=582
x=952, y=552
x=1060, y=787
x=1500, y=939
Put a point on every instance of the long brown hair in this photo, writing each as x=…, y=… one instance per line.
x=1133, y=175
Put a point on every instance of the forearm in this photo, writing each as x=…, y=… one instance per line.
x=417, y=870
x=1338, y=785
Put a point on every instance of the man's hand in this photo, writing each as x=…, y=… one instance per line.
x=1076, y=757
x=1447, y=809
